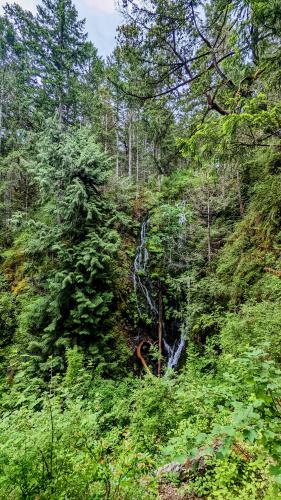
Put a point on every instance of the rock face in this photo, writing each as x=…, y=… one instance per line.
x=173, y=468
x=182, y=472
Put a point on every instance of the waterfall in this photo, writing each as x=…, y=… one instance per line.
x=141, y=277
x=143, y=287
x=175, y=351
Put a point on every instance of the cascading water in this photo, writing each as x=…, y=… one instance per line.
x=175, y=351
x=141, y=277
x=143, y=286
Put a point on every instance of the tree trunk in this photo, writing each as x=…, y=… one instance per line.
x=130, y=149
x=209, y=230
x=117, y=154
x=137, y=163
x=1, y=107
x=160, y=333
x=117, y=141
x=105, y=139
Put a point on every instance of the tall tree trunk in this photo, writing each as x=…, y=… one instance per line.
x=117, y=141
x=145, y=156
x=105, y=138
x=137, y=162
x=160, y=333
x=209, y=228
x=60, y=111
x=117, y=154
x=130, y=149
x=2, y=106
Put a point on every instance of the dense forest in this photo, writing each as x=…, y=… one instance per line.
x=140, y=263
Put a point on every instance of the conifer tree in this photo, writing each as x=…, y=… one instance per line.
x=62, y=53
x=59, y=55
x=17, y=77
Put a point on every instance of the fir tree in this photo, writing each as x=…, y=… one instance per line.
x=62, y=54
x=55, y=44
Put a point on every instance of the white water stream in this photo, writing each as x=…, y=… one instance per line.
x=143, y=287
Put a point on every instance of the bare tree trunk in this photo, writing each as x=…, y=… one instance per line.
x=130, y=149
x=105, y=139
x=160, y=334
x=209, y=230
x=1, y=107
x=137, y=162
x=117, y=153
x=145, y=156
x=117, y=141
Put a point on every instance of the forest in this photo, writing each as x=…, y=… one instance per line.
x=140, y=253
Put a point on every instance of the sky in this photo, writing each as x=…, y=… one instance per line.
x=101, y=16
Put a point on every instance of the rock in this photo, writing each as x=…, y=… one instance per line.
x=172, y=468
x=182, y=471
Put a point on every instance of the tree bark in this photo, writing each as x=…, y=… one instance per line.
x=117, y=141
x=209, y=229
x=105, y=139
x=137, y=163
x=130, y=148
x=160, y=333
x=117, y=153
x=140, y=356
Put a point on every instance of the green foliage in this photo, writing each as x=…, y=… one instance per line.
x=233, y=477
x=8, y=316
x=74, y=361
x=62, y=453
x=72, y=237
x=201, y=164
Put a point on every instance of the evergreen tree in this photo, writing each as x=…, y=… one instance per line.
x=59, y=55
x=62, y=54
x=17, y=73
x=76, y=232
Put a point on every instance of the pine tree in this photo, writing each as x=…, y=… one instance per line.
x=62, y=53
x=59, y=55
x=17, y=76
